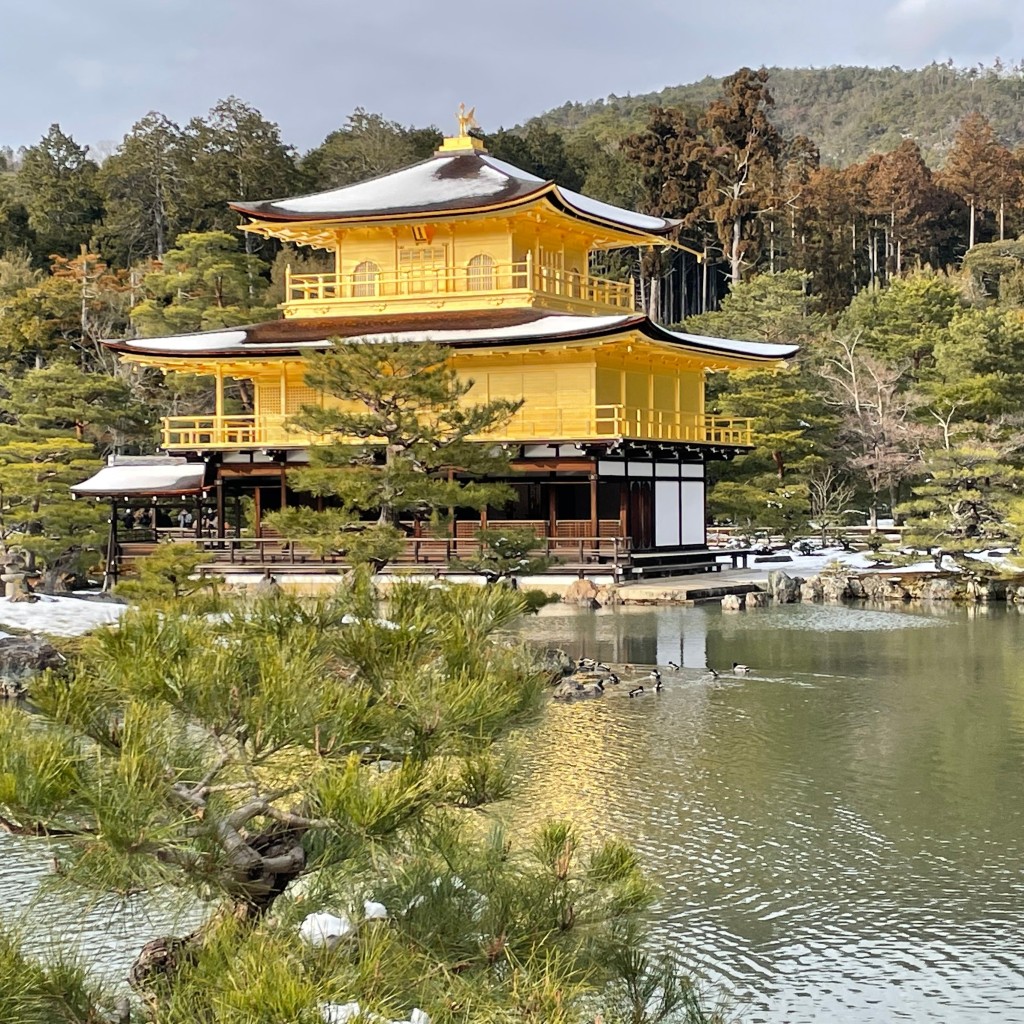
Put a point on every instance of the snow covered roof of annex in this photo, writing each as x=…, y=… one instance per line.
x=143, y=477
x=446, y=183
x=462, y=329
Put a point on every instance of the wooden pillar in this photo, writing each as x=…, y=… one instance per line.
x=594, y=531
x=552, y=511
x=284, y=484
x=452, y=532
x=624, y=508
x=257, y=512
x=220, y=506
x=112, y=554
x=219, y=394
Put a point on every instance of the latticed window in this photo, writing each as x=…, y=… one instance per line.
x=480, y=273
x=423, y=268
x=297, y=397
x=364, y=278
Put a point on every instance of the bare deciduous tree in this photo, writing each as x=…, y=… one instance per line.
x=881, y=443
x=830, y=494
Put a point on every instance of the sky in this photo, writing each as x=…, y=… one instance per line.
x=96, y=67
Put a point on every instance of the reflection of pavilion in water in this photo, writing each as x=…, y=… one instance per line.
x=636, y=636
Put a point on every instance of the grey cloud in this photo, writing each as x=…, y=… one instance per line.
x=97, y=67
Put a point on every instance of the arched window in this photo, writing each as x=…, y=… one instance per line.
x=480, y=273
x=364, y=278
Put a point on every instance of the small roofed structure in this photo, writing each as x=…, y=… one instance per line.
x=152, y=497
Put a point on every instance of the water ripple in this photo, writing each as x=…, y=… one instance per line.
x=837, y=835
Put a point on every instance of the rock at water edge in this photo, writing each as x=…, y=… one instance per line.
x=583, y=593
x=785, y=589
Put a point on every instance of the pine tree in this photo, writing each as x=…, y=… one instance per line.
x=903, y=321
x=205, y=282
x=402, y=427
x=366, y=146
x=142, y=183
x=57, y=186
x=233, y=756
x=234, y=153
x=970, y=496
x=768, y=307
x=58, y=420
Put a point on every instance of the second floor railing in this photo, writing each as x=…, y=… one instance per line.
x=410, y=284
x=531, y=423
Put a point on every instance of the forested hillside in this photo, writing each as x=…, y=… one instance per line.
x=850, y=112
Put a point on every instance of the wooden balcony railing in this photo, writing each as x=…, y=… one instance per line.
x=500, y=279
x=532, y=423
x=417, y=551
x=609, y=422
x=196, y=432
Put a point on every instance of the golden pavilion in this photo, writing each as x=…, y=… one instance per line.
x=496, y=265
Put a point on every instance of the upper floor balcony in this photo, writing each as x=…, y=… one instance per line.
x=482, y=284
x=531, y=424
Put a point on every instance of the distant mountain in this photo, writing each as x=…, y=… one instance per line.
x=850, y=112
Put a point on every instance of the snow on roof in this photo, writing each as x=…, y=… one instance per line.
x=443, y=183
x=758, y=349
x=546, y=326
x=143, y=480
x=420, y=185
x=199, y=342
x=616, y=214
x=211, y=343
x=509, y=170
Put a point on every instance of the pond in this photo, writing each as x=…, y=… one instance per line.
x=837, y=835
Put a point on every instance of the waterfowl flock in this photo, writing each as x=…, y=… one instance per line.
x=588, y=677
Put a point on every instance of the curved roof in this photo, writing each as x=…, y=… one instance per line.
x=446, y=183
x=460, y=329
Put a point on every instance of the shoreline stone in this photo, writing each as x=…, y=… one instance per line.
x=784, y=589
x=584, y=593
x=21, y=659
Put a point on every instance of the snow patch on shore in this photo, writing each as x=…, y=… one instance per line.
x=59, y=616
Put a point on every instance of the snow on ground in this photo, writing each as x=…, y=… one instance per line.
x=59, y=616
x=817, y=561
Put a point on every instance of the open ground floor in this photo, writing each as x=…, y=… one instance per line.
x=628, y=512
